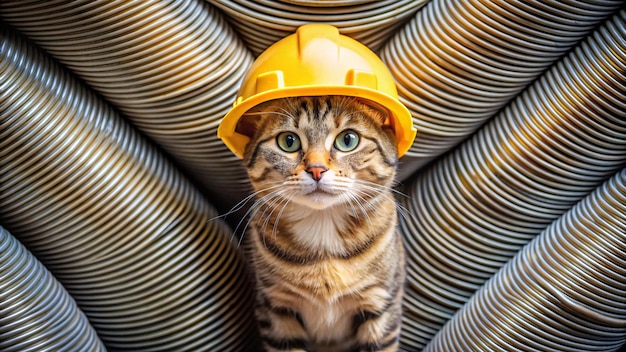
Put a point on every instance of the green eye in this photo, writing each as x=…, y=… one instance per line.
x=288, y=141
x=347, y=141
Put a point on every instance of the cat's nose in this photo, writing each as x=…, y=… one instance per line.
x=316, y=171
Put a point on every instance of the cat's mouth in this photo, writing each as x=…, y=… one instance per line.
x=320, y=193
x=323, y=189
x=320, y=199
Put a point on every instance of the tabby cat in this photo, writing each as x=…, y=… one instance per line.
x=327, y=258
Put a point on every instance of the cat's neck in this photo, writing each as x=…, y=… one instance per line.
x=319, y=229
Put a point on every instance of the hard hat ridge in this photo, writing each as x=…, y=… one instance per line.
x=317, y=60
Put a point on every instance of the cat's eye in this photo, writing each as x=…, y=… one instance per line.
x=288, y=141
x=347, y=141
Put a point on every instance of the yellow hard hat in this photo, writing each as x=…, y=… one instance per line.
x=315, y=61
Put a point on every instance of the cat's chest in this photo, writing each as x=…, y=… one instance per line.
x=329, y=320
x=320, y=231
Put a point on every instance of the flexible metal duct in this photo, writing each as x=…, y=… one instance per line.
x=88, y=213
x=124, y=232
x=172, y=67
x=473, y=210
x=37, y=313
x=565, y=291
x=458, y=62
x=371, y=22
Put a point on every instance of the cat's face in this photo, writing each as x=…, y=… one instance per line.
x=319, y=151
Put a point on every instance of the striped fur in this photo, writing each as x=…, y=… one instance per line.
x=328, y=260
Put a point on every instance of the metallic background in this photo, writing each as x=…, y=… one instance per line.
x=115, y=193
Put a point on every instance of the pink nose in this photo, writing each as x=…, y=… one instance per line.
x=316, y=171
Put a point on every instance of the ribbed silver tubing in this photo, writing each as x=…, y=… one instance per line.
x=172, y=67
x=38, y=314
x=457, y=63
x=127, y=235
x=565, y=291
x=262, y=23
x=473, y=210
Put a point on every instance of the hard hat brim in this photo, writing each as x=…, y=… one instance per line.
x=401, y=120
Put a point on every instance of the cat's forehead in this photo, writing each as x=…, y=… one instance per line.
x=323, y=113
x=317, y=117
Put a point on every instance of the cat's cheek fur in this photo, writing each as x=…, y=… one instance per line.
x=283, y=162
x=272, y=165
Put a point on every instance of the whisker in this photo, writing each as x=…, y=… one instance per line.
x=366, y=192
x=254, y=208
x=381, y=188
x=405, y=213
x=288, y=114
x=259, y=113
x=266, y=202
x=270, y=204
x=278, y=200
x=280, y=213
x=259, y=202
x=252, y=196
x=272, y=207
x=350, y=199
x=356, y=199
x=242, y=203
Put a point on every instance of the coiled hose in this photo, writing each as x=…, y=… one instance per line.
x=474, y=209
x=564, y=291
x=457, y=63
x=172, y=68
x=125, y=233
x=37, y=313
x=371, y=22
x=131, y=240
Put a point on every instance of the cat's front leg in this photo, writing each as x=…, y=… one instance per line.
x=275, y=342
x=284, y=346
x=380, y=333
x=281, y=329
x=378, y=323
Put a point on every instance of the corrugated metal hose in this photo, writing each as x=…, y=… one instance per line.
x=113, y=183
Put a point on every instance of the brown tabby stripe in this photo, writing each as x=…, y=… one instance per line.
x=362, y=317
x=283, y=255
x=378, y=346
x=387, y=159
x=263, y=175
x=252, y=160
x=286, y=344
x=263, y=301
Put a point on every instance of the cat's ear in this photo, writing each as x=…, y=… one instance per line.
x=248, y=124
x=378, y=112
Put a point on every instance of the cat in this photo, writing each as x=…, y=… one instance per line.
x=328, y=261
